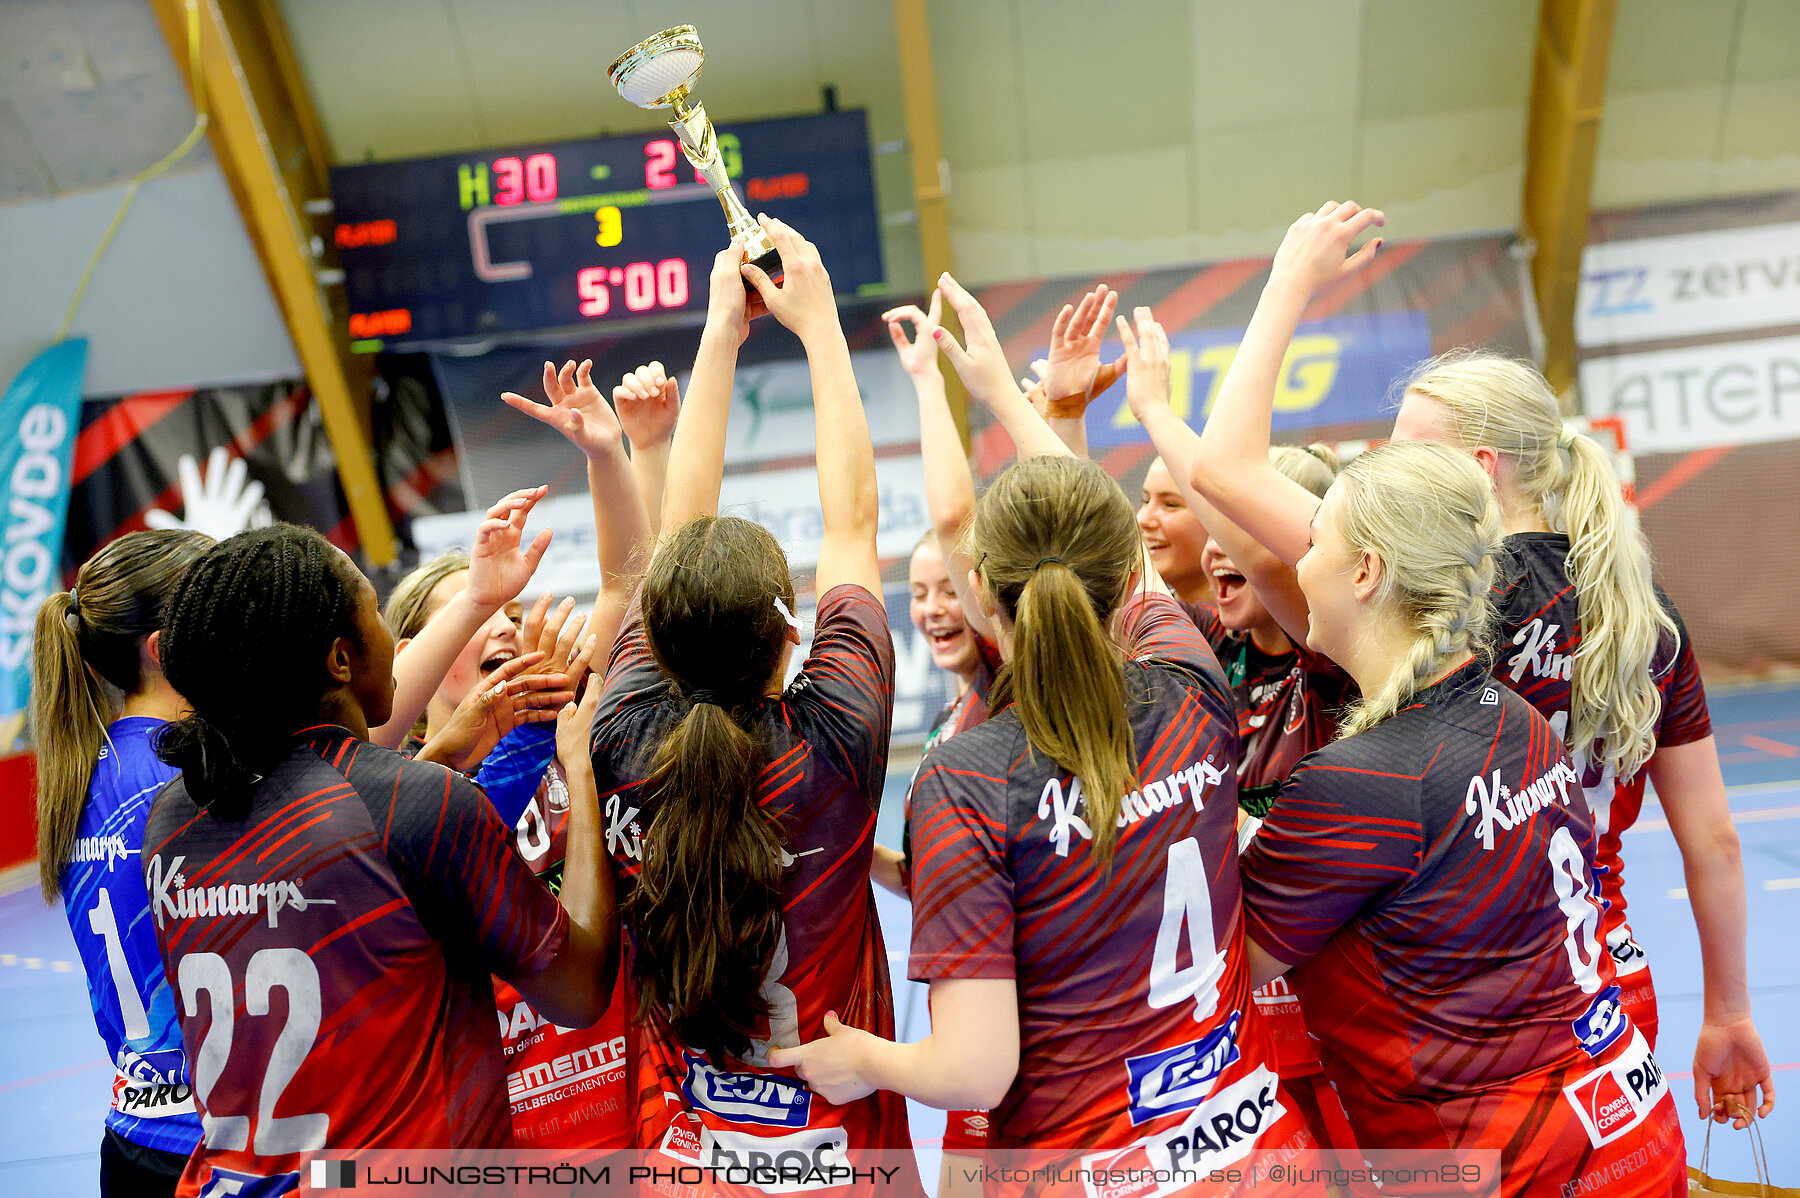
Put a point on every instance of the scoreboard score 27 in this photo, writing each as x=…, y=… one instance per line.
x=600, y=231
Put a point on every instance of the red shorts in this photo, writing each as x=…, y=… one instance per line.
x=966, y=1132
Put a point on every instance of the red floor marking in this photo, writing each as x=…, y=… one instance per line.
x=53, y=1075
x=1768, y=746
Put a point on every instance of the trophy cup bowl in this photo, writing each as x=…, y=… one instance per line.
x=659, y=72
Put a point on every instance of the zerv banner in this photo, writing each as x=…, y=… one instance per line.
x=39, y=418
x=1337, y=371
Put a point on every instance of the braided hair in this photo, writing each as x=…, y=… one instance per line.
x=1428, y=514
x=245, y=639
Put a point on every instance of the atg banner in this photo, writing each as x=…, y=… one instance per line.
x=1337, y=371
x=38, y=420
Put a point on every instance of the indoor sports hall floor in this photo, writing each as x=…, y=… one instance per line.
x=54, y=1077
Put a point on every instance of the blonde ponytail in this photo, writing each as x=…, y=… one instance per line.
x=1428, y=515
x=1055, y=543
x=1508, y=407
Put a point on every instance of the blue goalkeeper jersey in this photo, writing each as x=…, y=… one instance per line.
x=109, y=912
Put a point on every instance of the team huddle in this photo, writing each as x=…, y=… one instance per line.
x=1283, y=813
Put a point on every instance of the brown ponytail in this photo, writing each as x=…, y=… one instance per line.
x=706, y=912
x=84, y=661
x=1056, y=543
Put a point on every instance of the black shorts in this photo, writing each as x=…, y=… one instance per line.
x=130, y=1170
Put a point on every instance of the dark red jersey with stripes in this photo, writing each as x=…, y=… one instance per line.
x=826, y=740
x=1431, y=881
x=345, y=929
x=1540, y=629
x=566, y=1086
x=1135, y=1019
x=1287, y=703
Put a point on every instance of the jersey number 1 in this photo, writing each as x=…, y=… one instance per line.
x=1187, y=899
x=293, y=971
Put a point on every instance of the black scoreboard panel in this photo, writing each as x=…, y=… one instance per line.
x=606, y=230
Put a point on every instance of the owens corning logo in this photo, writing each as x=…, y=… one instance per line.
x=1496, y=803
x=170, y=897
x=110, y=849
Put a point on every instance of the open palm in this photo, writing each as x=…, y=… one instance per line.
x=576, y=409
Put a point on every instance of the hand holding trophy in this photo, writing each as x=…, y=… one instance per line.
x=658, y=72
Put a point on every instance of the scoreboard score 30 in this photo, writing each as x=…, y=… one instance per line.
x=599, y=231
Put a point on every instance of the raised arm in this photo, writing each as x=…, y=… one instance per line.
x=949, y=483
x=647, y=402
x=1231, y=464
x=697, y=450
x=984, y=372
x=1073, y=374
x=1147, y=391
x=847, y=493
x=577, y=411
x=498, y=571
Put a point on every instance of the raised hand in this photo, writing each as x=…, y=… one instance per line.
x=918, y=354
x=576, y=409
x=514, y=694
x=982, y=364
x=728, y=304
x=498, y=567
x=647, y=401
x=1073, y=366
x=1312, y=254
x=803, y=302
x=1146, y=364
x=557, y=634
x=575, y=721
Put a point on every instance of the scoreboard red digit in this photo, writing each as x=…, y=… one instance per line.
x=587, y=232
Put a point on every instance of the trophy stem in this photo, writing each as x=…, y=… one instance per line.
x=702, y=149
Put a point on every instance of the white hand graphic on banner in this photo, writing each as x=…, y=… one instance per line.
x=225, y=502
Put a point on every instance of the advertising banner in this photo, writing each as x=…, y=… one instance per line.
x=39, y=416
x=1653, y=288
x=1741, y=393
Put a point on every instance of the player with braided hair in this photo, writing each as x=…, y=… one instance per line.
x=1450, y=965
x=1585, y=636
x=377, y=892
x=1448, y=962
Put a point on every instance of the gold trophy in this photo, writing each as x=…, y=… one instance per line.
x=657, y=73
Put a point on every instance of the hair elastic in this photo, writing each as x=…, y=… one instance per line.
x=703, y=695
x=1044, y=561
x=1567, y=437
x=73, y=616
x=792, y=621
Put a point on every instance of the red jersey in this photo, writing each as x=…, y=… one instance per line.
x=1287, y=703
x=377, y=894
x=1287, y=706
x=1135, y=1022
x=565, y=1086
x=826, y=739
x=1540, y=629
x=1429, y=880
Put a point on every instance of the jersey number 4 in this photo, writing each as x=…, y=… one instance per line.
x=293, y=971
x=1187, y=899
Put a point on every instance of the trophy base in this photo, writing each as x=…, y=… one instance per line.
x=769, y=264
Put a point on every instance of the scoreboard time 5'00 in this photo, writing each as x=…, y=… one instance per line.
x=597, y=231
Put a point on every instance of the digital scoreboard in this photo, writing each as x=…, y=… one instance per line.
x=600, y=231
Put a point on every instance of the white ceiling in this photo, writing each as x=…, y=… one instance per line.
x=1079, y=136
x=88, y=96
